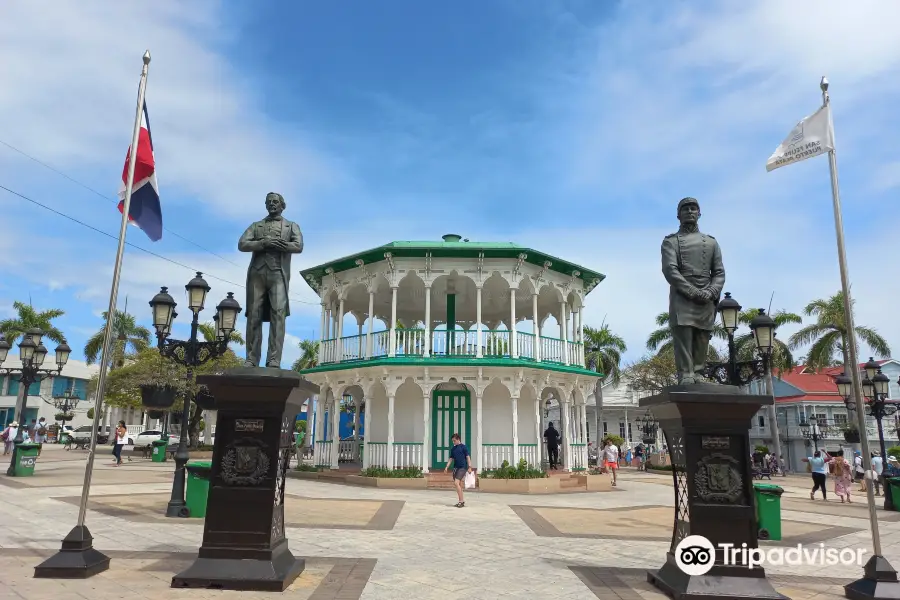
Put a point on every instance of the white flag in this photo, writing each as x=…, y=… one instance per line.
x=811, y=137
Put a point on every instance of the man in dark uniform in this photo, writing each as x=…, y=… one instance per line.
x=272, y=241
x=552, y=436
x=692, y=264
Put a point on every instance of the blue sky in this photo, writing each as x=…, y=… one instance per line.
x=570, y=126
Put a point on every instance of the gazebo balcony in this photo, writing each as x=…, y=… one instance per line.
x=454, y=344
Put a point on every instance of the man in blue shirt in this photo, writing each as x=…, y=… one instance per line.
x=462, y=464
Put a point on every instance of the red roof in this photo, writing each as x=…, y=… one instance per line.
x=835, y=371
x=810, y=382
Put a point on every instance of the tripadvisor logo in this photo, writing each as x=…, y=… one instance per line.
x=696, y=555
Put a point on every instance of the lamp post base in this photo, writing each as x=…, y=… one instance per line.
x=272, y=574
x=77, y=559
x=721, y=583
x=879, y=582
x=177, y=510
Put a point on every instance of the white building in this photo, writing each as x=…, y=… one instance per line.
x=74, y=378
x=446, y=337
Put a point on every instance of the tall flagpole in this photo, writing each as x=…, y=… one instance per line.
x=878, y=573
x=78, y=558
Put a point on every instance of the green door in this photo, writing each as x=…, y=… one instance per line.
x=450, y=413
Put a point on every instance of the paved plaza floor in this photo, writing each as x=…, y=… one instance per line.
x=372, y=543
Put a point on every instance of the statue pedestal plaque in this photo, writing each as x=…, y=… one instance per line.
x=707, y=433
x=244, y=546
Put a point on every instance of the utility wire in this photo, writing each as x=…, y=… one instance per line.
x=105, y=197
x=129, y=244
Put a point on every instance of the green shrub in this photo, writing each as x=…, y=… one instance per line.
x=307, y=468
x=614, y=439
x=522, y=471
x=404, y=473
x=661, y=467
x=762, y=449
x=894, y=451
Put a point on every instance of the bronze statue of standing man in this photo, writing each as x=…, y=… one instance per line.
x=692, y=264
x=272, y=241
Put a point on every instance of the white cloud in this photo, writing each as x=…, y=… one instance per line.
x=68, y=79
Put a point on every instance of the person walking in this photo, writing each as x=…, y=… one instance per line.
x=611, y=459
x=818, y=467
x=40, y=434
x=859, y=472
x=121, y=440
x=462, y=464
x=877, y=472
x=9, y=437
x=552, y=436
x=842, y=472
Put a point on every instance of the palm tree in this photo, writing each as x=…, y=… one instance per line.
x=782, y=359
x=130, y=338
x=26, y=318
x=309, y=355
x=660, y=340
x=828, y=335
x=603, y=353
x=208, y=331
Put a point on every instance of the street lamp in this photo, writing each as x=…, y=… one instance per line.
x=32, y=354
x=649, y=427
x=65, y=403
x=876, y=388
x=191, y=353
x=812, y=430
x=740, y=373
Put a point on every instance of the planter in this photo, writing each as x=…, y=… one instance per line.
x=546, y=485
x=303, y=474
x=649, y=440
x=205, y=400
x=200, y=454
x=851, y=436
x=156, y=414
x=157, y=397
x=598, y=483
x=397, y=483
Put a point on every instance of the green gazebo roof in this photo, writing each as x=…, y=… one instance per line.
x=454, y=248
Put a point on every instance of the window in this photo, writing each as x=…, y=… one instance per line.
x=621, y=430
x=760, y=421
x=605, y=428
x=840, y=419
x=33, y=390
x=629, y=432
x=821, y=418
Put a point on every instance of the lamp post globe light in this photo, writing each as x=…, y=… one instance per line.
x=815, y=431
x=32, y=354
x=191, y=353
x=876, y=388
x=740, y=373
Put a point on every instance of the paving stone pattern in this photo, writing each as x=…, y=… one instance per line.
x=376, y=544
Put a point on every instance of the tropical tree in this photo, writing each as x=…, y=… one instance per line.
x=660, y=340
x=828, y=335
x=603, y=353
x=209, y=333
x=782, y=359
x=652, y=372
x=309, y=355
x=26, y=318
x=128, y=338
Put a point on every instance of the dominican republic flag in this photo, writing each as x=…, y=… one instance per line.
x=144, y=210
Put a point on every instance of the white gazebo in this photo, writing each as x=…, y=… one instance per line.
x=436, y=338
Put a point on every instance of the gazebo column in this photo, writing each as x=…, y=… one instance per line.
x=392, y=345
x=515, y=429
x=537, y=430
x=426, y=418
x=322, y=334
x=581, y=335
x=536, y=329
x=567, y=433
x=513, y=349
x=479, y=429
x=340, y=332
x=319, y=428
x=584, y=434
x=335, y=433
x=357, y=405
x=366, y=462
x=563, y=323
x=371, y=324
x=427, y=350
x=478, y=339
x=390, y=440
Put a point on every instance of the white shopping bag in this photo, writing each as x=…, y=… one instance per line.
x=469, y=481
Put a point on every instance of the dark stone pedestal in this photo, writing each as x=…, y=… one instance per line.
x=244, y=547
x=77, y=559
x=707, y=433
x=879, y=581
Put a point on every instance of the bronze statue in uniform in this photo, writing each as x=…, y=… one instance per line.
x=692, y=264
x=272, y=241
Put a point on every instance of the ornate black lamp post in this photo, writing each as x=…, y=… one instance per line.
x=813, y=430
x=740, y=373
x=845, y=388
x=649, y=427
x=876, y=387
x=191, y=353
x=32, y=354
x=65, y=404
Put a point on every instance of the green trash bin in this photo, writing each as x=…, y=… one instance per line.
x=64, y=437
x=768, y=510
x=894, y=482
x=158, y=453
x=25, y=458
x=198, y=473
